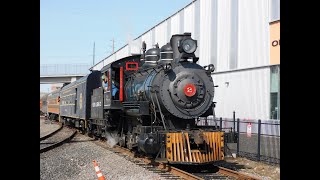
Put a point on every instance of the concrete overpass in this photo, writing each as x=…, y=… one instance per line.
x=60, y=78
x=62, y=73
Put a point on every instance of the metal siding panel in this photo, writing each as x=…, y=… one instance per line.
x=108, y=60
x=135, y=46
x=97, y=66
x=189, y=20
x=205, y=32
x=223, y=34
x=208, y=32
x=168, y=29
x=255, y=77
x=192, y=22
x=247, y=94
x=253, y=33
x=153, y=36
x=100, y=66
x=214, y=33
x=161, y=34
x=197, y=21
x=138, y=42
x=122, y=52
x=175, y=24
x=148, y=39
x=181, y=20
x=234, y=34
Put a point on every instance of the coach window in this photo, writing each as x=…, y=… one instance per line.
x=75, y=101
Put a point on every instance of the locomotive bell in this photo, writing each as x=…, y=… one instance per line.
x=152, y=56
x=166, y=54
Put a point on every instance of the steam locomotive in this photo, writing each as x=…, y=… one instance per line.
x=162, y=94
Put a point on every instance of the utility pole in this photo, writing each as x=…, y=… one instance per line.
x=109, y=46
x=94, y=44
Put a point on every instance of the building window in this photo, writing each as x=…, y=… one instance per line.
x=274, y=10
x=275, y=92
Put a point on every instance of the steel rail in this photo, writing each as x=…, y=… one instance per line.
x=58, y=143
x=52, y=133
x=236, y=174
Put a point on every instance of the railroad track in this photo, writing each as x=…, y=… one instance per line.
x=52, y=133
x=56, y=138
x=237, y=174
x=169, y=172
x=218, y=172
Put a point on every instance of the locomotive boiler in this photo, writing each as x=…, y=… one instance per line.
x=172, y=81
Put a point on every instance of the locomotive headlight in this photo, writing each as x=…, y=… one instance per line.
x=189, y=46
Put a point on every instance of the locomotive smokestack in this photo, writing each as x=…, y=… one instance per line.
x=174, y=42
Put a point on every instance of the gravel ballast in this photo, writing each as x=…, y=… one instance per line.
x=47, y=128
x=73, y=161
x=57, y=137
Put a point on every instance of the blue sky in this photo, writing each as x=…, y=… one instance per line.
x=69, y=28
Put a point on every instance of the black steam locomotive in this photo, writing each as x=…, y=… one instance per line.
x=160, y=95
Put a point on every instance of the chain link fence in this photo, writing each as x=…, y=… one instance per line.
x=64, y=69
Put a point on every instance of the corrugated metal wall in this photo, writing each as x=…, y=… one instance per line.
x=247, y=92
x=231, y=34
x=123, y=53
x=161, y=34
x=253, y=33
x=224, y=37
x=208, y=32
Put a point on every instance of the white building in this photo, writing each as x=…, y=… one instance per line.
x=241, y=38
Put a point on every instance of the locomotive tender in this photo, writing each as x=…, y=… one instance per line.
x=162, y=94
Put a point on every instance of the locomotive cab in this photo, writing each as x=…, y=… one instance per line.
x=111, y=87
x=107, y=99
x=114, y=75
